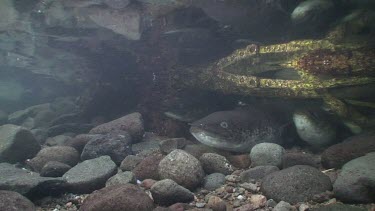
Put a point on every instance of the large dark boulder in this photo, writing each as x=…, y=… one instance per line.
x=339, y=154
x=132, y=123
x=13, y=201
x=148, y=168
x=295, y=184
x=116, y=144
x=17, y=144
x=90, y=175
x=356, y=181
x=28, y=183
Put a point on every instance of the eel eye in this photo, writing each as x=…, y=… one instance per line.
x=224, y=124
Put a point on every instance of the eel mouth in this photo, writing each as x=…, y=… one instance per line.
x=212, y=139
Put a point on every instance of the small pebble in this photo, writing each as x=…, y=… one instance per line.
x=241, y=197
x=216, y=203
x=200, y=204
x=249, y=187
x=232, y=178
x=236, y=203
x=271, y=203
x=229, y=189
x=258, y=200
x=69, y=204
x=241, y=190
x=303, y=207
x=227, y=196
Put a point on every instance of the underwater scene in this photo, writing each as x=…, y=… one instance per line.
x=174, y=105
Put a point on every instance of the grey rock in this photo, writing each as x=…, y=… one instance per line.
x=257, y=173
x=182, y=168
x=295, y=184
x=16, y=144
x=271, y=203
x=168, y=145
x=43, y=118
x=64, y=105
x=284, y=206
x=249, y=187
x=90, y=175
x=167, y=192
x=264, y=154
x=63, y=154
x=200, y=204
x=28, y=123
x=67, y=118
x=232, y=178
x=19, y=117
x=59, y=140
x=26, y=182
x=54, y=169
x=77, y=128
x=13, y=201
x=118, y=198
x=115, y=144
x=130, y=162
x=214, y=163
x=117, y=4
x=356, y=181
x=131, y=123
x=213, y=181
x=145, y=146
x=3, y=117
x=40, y=135
x=121, y=178
x=126, y=22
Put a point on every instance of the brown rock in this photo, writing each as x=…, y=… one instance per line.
x=216, y=204
x=339, y=154
x=118, y=198
x=63, y=154
x=299, y=158
x=258, y=200
x=13, y=201
x=240, y=161
x=148, y=168
x=246, y=207
x=178, y=207
x=54, y=169
x=147, y=183
x=80, y=141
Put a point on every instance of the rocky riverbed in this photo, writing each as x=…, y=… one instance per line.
x=116, y=165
